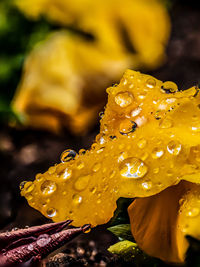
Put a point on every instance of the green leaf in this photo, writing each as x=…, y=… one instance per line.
x=122, y=231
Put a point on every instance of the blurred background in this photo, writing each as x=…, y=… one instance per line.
x=57, y=57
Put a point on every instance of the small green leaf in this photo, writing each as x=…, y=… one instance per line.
x=125, y=249
x=122, y=231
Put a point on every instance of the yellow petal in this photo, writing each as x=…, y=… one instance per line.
x=154, y=224
x=146, y=144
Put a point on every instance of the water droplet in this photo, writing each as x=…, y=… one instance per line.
x=166, y=124
x=48, y=187
x=144, y=156
x=112, y=174
x=22, y=184
x=82, y=182
x=101, y=114
x=133, y=168
x=157, y=153
x=122, y=156
x=67, y=155
x=150, y=83
x=96, y=167
x=77, y=199
x=67, y=174
x=82, y=151
x=100, y=150
x=174, y=147
x=52, y=170
x=147, y=185
x=169, y=87
x=51, y=212
x=30, y=247
x=156, y=170
x=80, y=165
x=28, y=187
x=43, y=240
x=127, y=127
x=193, y=212
x=93, y=190
x=124, y=99
x=142, y=143
x=136, y=112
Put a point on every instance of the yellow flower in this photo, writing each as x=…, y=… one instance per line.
x=148, y=149
x=65, y=77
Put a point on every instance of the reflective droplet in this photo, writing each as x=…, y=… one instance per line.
x=166, y=124
x=67, y=155
x=43, y=240
x=144, y=156
x=52, y=170
x=156, y=170
x=48, y=187
x=124, y=99
x=147, y=185
x=80, y=165
x=67, y=174
x=127, y=127
x=136, y=112
x=151, y=83
x=133, y=168
x=112, y=174
x=122, y=156
x=174, y=147
x=22, y=184
x=93, y=190
x=157, y=153
x=101, y=114
x=193, y=212
x=169, y=87
x=77, y=199
x=51, y=212
x=82, y=151
x=96, y=167
x=82, y=182
x=142, y=143
x=28, y=187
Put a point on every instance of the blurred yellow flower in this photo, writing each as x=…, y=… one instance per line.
x=126, y=34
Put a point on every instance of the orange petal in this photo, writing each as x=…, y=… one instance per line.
x=154, y=224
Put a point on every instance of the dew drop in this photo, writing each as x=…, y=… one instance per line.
x=96, y=167
x=51, y=212
x=122, y=156
x=43, y=240
x=147, y=185
x=28, y=187
x=166, y=124
x=82, y=182
x=77, y=199
x=150, y=83
x=156, y=170
x=22, y=184
x=136, y=112
x=48, y=187
x=80, y=165
x=127, y=127
x=142, y=143
x=169, y=87
x=82, y=151
x=67, y=155
x=174, y=147
x=67, y=174
x=52, y=170
x=193, y=212
x=157, y=153
x=93, y=190
x=133, y=168
x=124, y=99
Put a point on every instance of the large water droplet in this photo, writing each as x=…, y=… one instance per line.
x=48, y=187
x=133, y=168
x=124, y=99
x=174, y=147
x=157, y=153
x=51, y=212
x=82, y=182
x=127, y=127
x=28, y=187
x=169, y=87
x=67, y=155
